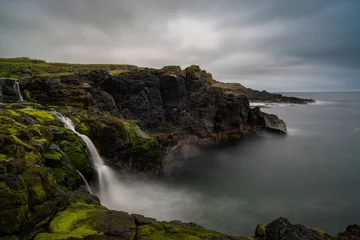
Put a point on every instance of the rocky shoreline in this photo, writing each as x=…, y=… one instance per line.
x=259, y=96
x=137, y=114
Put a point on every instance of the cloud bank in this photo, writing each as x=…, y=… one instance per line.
x=274, y=45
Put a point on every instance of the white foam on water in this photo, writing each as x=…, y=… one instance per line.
x=272, y=105
x=296, y=132
x=318, y=102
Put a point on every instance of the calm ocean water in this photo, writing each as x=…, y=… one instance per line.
x=311, y=176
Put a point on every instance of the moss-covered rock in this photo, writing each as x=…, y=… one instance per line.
x=37, y=192
x=260, y=232
x=146, y=150
x=79, y=220
x=77, y=154
x=43, y=117
x=13, y=203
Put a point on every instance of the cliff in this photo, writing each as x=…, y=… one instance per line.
x=133, y=113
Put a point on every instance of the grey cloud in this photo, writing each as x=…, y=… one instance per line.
x=274, y=45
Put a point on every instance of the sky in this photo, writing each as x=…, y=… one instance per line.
x=287, y=45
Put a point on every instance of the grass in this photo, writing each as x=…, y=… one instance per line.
x=12, y=68
x=118, y=72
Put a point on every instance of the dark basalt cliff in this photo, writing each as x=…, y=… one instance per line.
x=140, y=114
x=173, y=106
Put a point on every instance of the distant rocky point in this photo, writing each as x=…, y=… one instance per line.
x=259, y=96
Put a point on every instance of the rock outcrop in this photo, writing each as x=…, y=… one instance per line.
x=173, y=106
x=9, y=90
x=259, y=96
x=282, y=229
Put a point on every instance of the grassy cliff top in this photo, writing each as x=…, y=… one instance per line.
x=25, y=67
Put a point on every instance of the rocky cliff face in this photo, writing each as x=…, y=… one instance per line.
x=9, y=90
x=173, y=106
x=138, y=115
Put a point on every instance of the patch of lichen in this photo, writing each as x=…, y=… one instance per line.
x=64, y=174
x=73, y=222
x=321, y=233
x=146, y=151
x=77, y=154
x=13, y=203
x=138, y=138
x=10, y=113
x=260, y=232
x=37, y=192
x=9, y=126
x=46, y=176
x=43, y=117
x=174, y=230
x=27, y=96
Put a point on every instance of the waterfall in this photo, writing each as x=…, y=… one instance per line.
x=17, y=90
x=94, y=155
x=136, y=195
x=1, y=91
x=96, y=159
x=86, y=183
x=10, y=91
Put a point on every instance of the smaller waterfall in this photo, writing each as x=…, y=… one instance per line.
x=95, y=156
x=1, y=91
x=86, y=183
x=17, y=90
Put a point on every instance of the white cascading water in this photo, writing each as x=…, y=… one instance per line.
x=17, y=90
x=86, y=182
x=143, y=195
x=96, y=159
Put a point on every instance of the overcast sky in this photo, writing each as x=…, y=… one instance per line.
x=289, y=45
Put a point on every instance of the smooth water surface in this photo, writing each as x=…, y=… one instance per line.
x=311, y=176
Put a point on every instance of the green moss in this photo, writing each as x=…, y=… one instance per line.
x=21, y=143
x=37, y=192
x=31, y=157
x=45, y=174
x=6, y=105
x=83, y=128
x=9, y=126
x=13, y=204
x=71, y=223
x=27, y=96
x=118, y=72
x=321, y=233
x=43, y=117
x=52, y=75
x=9, y=238
x=12, y=220
x=5, y=158
x=173, y=230
x=67, y=176
x=260, y=232
x=13, y=197
x=77, y=155
x=32, y=104
x=13, y=113
x=53, y=159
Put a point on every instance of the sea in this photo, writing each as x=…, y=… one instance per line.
x=311, y=175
